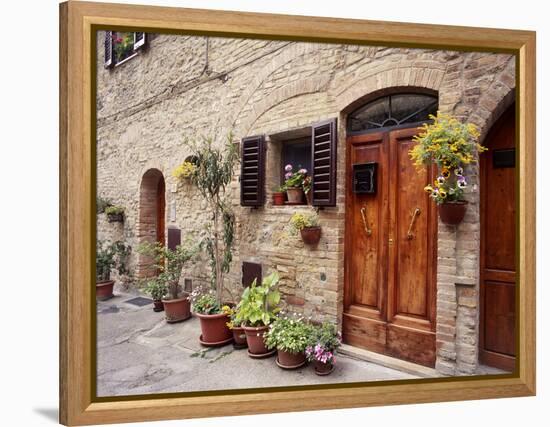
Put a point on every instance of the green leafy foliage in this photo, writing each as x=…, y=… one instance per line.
x=326, y=335
x=101, y=204
x=114, y=210
x=300, y=220
x=290, y=335
x=206, y=304
x=214, y=171
x=156, y=288
x=104, y=260
x=169, y=263
x=258, y=304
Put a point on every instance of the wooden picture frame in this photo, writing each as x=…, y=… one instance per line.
x=78, y=404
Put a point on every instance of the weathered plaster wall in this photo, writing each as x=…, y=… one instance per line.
x=171, y=92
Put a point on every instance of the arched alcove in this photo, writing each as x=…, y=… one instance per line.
x=152, y=216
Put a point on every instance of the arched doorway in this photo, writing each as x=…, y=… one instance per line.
x=151, y=223
x=391, y=231
x=497, y=339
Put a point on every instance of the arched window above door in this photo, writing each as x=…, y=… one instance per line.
x=392, y=110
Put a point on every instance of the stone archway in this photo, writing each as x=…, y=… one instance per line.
x=152, y=216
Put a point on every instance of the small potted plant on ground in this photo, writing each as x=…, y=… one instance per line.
x=157, y=289
x=213, y=320
x=452, y=146
x=256, y=310
x=105, y=261
x=169, y=264
x=290, y=337
x=307, y=223
x=239, y=336
x=115, y=213
x=324, y=341
x=279, y=196
x=294, y=182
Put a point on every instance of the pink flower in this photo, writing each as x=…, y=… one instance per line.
x=288, y=175
x=302, y=171
x=288, y=167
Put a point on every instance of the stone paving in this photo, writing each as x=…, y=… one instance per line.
x=139, y=353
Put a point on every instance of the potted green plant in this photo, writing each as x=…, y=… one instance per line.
x=122, y=254
x=169, y=264
x=239, y=336
x=294, y=182
x=158, y=290
x=307, y=223
x=256, y=310
x=279, y=195
x=452, y=146
x=214, y=319
x=324, y=341
x=115, y=213
x=215, y=165
x=105, y=261
x=290, y=337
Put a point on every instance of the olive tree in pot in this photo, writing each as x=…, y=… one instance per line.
x=169, y=264
x=452, y=146
x=104, y=262
x=323, y=343
x=290, y=337
x=255, y=311
x=213, y=173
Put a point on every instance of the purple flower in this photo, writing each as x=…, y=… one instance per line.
x=302, y=171
x=288, y=167
x=288, y=175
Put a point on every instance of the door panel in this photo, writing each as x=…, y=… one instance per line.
x=498, y=228
x=389, y=299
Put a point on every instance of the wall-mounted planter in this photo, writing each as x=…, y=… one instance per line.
x=119, y=217
x=311, y=235
x=452, y=213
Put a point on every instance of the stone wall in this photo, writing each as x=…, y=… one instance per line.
x=175, y=90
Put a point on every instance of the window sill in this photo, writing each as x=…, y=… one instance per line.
x=117, y=64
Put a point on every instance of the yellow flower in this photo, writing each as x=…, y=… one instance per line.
x=443, y=194
x=445, y=173
x=428, y=189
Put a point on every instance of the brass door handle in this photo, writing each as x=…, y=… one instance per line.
x=410, y=235
x=368, y=231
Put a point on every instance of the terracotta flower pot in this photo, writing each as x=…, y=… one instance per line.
x=311, y=235
x=214, y=329
x=158, y=305
x=323, y=368
x=278, y=199
x=239, y=337
x=288, y=360
x=452, y=213
x=295, y=195
x=255, y=339
x=104, y=290
x=177, y=310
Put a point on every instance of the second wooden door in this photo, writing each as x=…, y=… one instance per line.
x=389, y=303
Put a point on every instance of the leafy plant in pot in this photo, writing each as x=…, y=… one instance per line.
x=452, y=146
x=105, y=261
x=290, y=337
x=294, y=184
x=256, y=310
x=323, y=343
x=169, y=264
x=239, y=336
x=115, y=213
x=279, y=195
x=157, y=289
x=307, y=223
x=215, y=165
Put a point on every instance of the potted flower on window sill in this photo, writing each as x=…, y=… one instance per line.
x=308, y=226
x=213, y=319
x=115, y=213
x=105, y=261
x=294, y=184
x=451, y=145
x=323, y=344
x=169, y=264
x=279, y=196
x=290, y=337
x=255, y=311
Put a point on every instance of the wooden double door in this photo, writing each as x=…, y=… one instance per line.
x=390, y=250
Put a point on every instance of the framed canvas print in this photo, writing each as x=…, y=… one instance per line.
x=265, y=213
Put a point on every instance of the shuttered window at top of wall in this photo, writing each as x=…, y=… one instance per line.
x=139, y=41
x=323, y=166
x=253, y=171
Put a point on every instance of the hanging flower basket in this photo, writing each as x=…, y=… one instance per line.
x=452, y=213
